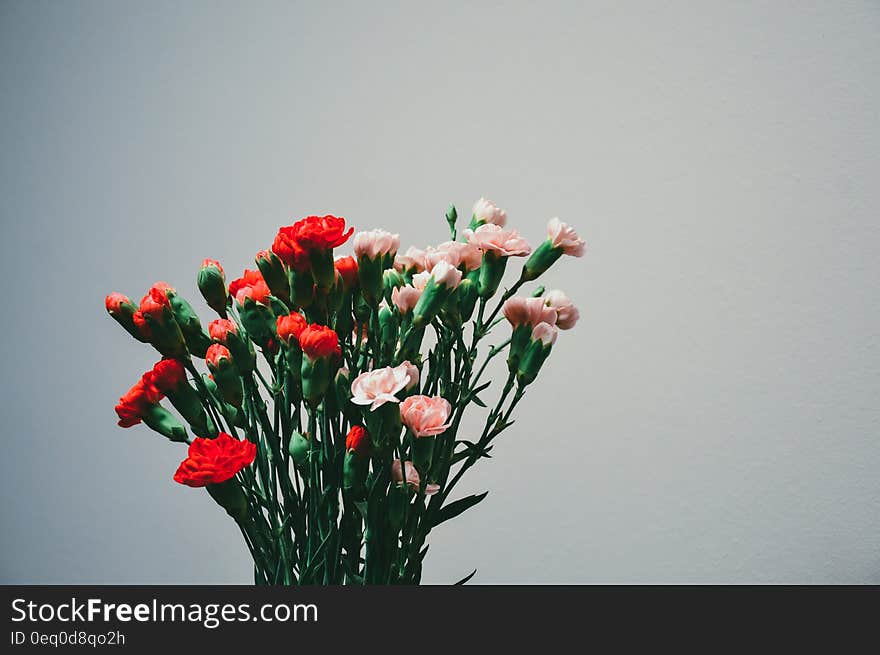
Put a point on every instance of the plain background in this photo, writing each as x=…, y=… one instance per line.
x=712, y=418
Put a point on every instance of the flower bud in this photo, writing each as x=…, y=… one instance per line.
x=120, y=307
x=212, y=284
x=542, y=340
x=561, y=240
x=226, y=376
x=486, y=211
x=443, y=280
x=299, y=450
x=165, y=333
x=320, y=346
x=272, y=270
x=347, y=268
x=197, y=341
x=169, y=377
x=356, y=463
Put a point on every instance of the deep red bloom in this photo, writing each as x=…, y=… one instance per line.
x=357, y=440
x=290, y=327
x=289, y=251
x=220, y=328
x=134, y=404
x=347, y=267
x=212, y=263
x=319, y=341
x=156, y=301
x=250, y=285
x=166, y=376
x=212, y=461
x=321, y=232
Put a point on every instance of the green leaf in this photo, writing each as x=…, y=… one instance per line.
x=466, y=578
x=453, y=509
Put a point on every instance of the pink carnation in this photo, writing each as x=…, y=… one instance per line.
x=563, y=236
x=405, y=298
x=412, y=259
x=426, y=416
x=375, y=388
x=488, y=212
x=528, y=311
x=412, y=477
x=566, y=313
x=492, y=238
x=373, y=244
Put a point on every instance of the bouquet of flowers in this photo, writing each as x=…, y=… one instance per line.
x=337, y=449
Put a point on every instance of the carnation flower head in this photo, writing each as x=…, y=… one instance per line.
x=504, y=243
x=319, y=341
x=212, y=461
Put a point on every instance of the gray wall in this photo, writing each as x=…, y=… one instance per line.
x=714, y=416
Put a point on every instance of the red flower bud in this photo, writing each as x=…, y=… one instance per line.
x=357, y=440
x=135, y=403
x=219, y=328
x=141, y=324
x=156, y=301
x=216, y=355
x=166, y=376
x=290, y=327
x=212, y=263
x=319, y=341
x=212, y=461
x=347, y=267
x=115, y=300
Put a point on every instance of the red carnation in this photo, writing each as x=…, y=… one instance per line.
x=166, y=376
x=156, y=301
x=321, y=232
x=212, y=461
x=347, y=267
x=135, y=403
x=250, y=285
x=290, y=327
x=319, y=341
x=357, y=440
x=220, y=328
x=289, y=251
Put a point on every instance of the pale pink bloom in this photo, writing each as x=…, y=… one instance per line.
x=491, y=238
x=373, y=244
x=375, y=388
x=566, y=313
x=563, y=236
x=420, y=280
x=412, y=477
x=426, y=416
x=528, y=311
x=412, y=259
x=413, y=372
x=545, y=333
x=405, y=298
x=458, y=254
x=488, y=212
x=446, y=275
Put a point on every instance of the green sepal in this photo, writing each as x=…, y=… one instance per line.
x=213, y=289
x=186, y=401
x=542, y=258
x=197, y=341
x=532, y=360
x=231, y=497
x=354, y=472
x=323, y=271
x=370, y=275
x=388, y=332
x=299, y=451
x=302, y=284
x=430, y=302
x=391, y=280
x=519, y=341
x=272, y=270
x=315, y=378
x=164, y=422
x=258, y=320
x=491, y=274
x=242, y=352
x=467, y=294
x=125, y=318
x=423, y=454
